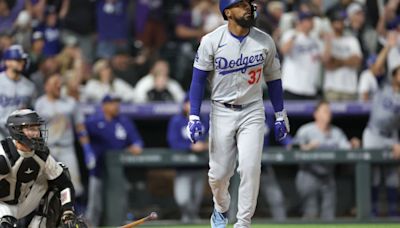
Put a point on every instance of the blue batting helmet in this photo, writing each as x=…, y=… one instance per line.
x=224, y=4
x=14, y=52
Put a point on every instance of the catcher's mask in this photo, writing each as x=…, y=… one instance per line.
x=26, y=118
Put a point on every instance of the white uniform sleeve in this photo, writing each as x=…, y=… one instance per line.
x=204, y=59
x=272, y=68
x=52, y=169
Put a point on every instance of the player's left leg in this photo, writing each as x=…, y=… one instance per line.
x=273, y=194
x=182, y=192
x=250, y=140
x=198, y=180
x=328, y=198
x=392, y=185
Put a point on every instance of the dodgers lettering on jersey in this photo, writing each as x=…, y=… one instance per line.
x=385, y=111
x=238, y=73
x=14, y=95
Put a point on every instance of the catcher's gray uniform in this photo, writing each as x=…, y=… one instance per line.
x=318, y=180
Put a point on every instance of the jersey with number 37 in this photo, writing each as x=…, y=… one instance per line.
x=239, y=67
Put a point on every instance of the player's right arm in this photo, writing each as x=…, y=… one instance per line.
x=203, y=64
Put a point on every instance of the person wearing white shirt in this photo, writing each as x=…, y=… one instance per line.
x=301, y=68
x=147, y=83
x=342, y=57
x=105, y=83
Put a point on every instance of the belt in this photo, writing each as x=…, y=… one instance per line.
x=234, y=106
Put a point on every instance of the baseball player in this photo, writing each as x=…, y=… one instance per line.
x=107, y=130
x=382, y=133
x=16, y=91
x=189, y=182
x=61, y=115
x=27, y=172
x=314, y=181
x=238, y=57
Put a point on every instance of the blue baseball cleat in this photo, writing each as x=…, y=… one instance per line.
x=219, y=220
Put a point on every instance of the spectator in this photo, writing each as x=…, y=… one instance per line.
x=104, y=83
x=388, y=18
x=112, y=27
x=381, y=133
x=369, y=79
x=189, y=182
x=17, y=92
x=342, y=58
x=366, y=36
x=157, y=83
x=9, y=11
x=314, y=181
x=126, y=67
x=80, y=23
x=6, y=40
x=189, y=30
x=36, y=51
x=269, y=14
x=150, y=27
x=47, y=66
x=107, y=130
x=51, y=31
x=62, y=116
x=22, y=30
x=300, y=49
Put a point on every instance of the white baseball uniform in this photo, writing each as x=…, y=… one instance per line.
x=61, y=115
x=239, y=68
x=13, y=95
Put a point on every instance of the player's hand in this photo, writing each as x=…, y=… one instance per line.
x=69, y=220
x=194, y=129
x=282, y=127
x=396, y=151
x=89, y=156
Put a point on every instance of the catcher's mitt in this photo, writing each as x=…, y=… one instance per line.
x=70, y=220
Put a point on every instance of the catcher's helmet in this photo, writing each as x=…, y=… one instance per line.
x=14, y=52
x=224, y=4
x=19, y=119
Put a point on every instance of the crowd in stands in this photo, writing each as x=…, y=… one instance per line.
x=328, y=48
x=143, y=51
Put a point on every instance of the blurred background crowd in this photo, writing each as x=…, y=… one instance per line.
x=140, y=51
x=143, y=50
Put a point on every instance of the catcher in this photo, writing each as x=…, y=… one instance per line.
x=35, y=190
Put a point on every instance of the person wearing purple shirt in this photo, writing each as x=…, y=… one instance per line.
x=108, y=130
x=189, y=182
x=51, y=31
x=9, y=13
x=112, y=26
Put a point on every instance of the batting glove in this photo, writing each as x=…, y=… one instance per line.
x=282, y=127
x=194, y=129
